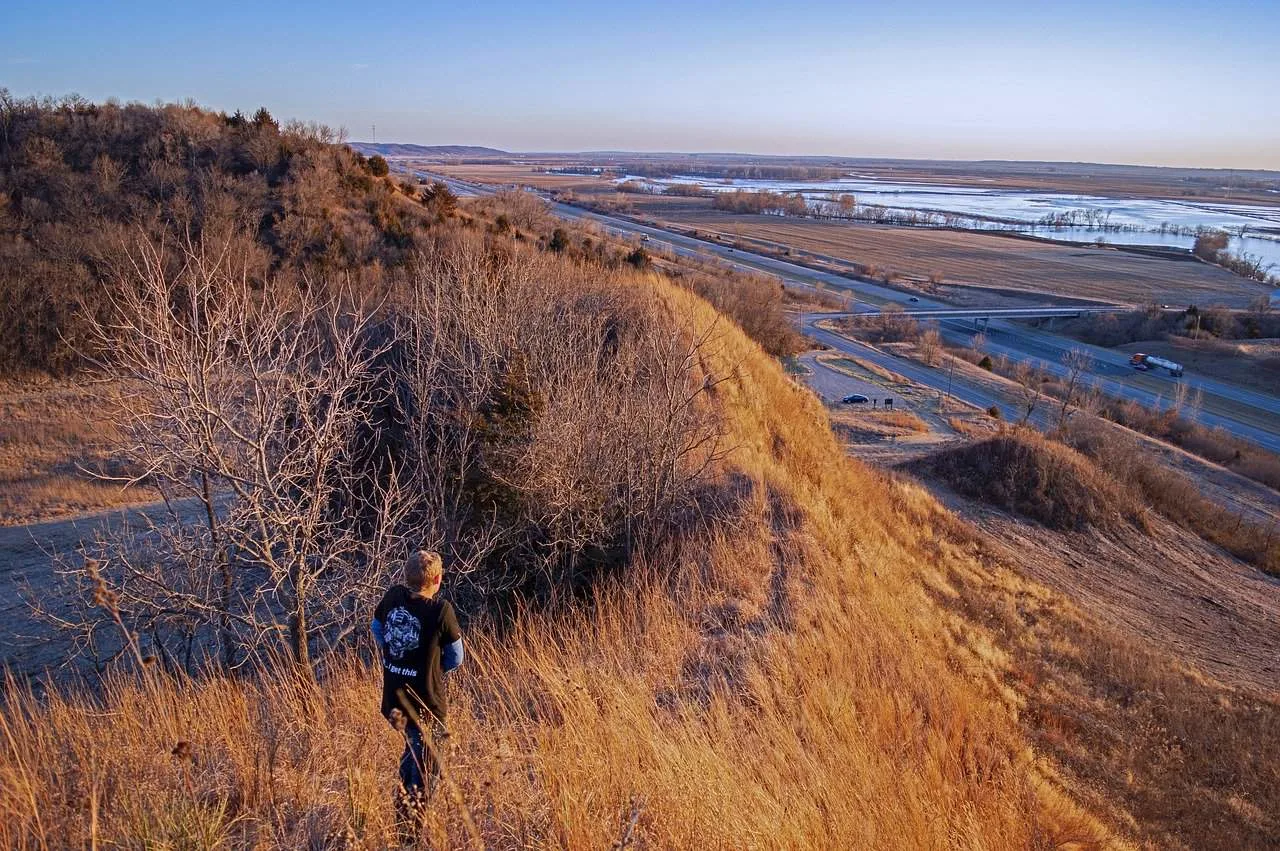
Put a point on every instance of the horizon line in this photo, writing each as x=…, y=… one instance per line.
x=859, y=158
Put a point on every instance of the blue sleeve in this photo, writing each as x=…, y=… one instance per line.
x=451, y=655
x=378, y=637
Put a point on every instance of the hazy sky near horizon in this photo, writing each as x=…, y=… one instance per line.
x=1167, y=83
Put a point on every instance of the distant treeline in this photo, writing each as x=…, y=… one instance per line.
x=1212, y=246
x=734, y=172
x=740, y=201
x=80, y=183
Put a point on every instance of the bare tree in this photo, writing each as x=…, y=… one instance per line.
x=258, y=411
x=1078, y=363
x=564, y=416
x=930, y=346
x=1031, y=389
x=532, y=417
x=895, y=325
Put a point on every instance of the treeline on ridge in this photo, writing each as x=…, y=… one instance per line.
x=79, y=182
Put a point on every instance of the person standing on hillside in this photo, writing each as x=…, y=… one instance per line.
x=420, y=642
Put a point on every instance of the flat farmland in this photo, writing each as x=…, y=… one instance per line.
x=521, y=174
x=960, y=258
x=981, y=260
x=1243, y=187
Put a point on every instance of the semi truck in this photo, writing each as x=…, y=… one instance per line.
x=1145, y=362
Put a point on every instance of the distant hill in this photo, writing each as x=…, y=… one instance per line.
x=396, y=149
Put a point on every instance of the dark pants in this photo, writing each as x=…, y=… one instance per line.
x=420, y=762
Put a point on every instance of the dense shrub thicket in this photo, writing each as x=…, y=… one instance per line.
x=79, y=182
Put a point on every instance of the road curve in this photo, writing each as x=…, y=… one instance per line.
x=1242, y=413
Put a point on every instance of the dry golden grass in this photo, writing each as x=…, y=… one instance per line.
x=878, y=370
x=780, y=681
x=860, y=425
x=904, y=420
x=1169, y=756
x=1176, y=496
x=974, y=425
x=1162, y=717
x=1038, y=478
x=837, y=661
x=52, y=438
x=851, y=365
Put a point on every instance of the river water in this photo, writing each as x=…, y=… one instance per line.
x=1254, y=228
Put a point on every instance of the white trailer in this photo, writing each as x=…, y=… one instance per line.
x=1146, y=362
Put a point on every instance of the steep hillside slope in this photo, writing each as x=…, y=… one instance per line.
x=784, y=677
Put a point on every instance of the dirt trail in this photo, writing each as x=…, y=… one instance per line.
x=27, y=561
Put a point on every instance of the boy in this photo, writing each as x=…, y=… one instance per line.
x=420, y=642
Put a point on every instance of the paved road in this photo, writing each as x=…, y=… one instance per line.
x=1244, y=413
x=27, y=567
x=941, y=380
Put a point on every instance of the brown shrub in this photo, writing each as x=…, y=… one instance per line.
x=1174, y=495
x=82, y=180
x=1025, y=473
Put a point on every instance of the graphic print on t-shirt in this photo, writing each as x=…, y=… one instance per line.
x=401, y=632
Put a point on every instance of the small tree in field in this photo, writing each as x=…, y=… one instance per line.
x=1210, y=245
x=1031, y=389
x=378, y=166
x=930, y=346
x=1078, y=363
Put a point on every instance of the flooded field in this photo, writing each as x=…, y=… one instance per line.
x=1254, y=228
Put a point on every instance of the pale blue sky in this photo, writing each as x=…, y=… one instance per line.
x=1175, y=83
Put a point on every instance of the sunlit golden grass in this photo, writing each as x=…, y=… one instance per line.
x=785, y=678
x=52, y=443
x=1171, y=757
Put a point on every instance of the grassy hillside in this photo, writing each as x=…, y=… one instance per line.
x=691, y=620
x=776, y=675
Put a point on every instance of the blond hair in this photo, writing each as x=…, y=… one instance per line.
x=423, y=570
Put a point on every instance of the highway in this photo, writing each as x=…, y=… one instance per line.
x=1244, y=413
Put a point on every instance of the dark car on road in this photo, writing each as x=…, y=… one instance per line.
x=855, y=399
x=914, y=299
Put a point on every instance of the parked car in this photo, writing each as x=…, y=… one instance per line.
x=855, y=399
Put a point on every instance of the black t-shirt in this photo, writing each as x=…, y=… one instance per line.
x=414, y=630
